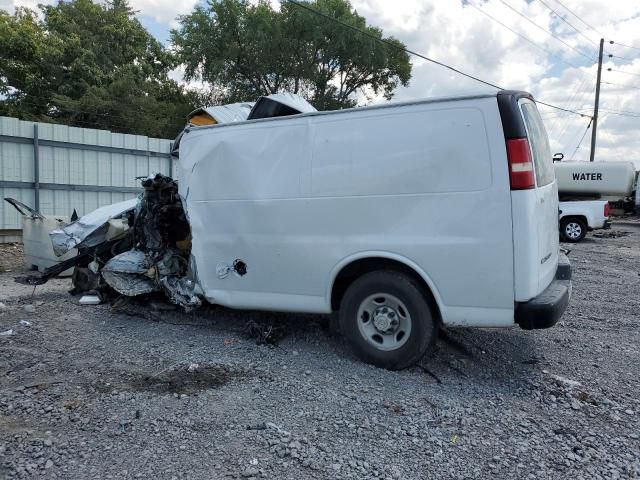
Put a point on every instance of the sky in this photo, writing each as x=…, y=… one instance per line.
x=546, y=47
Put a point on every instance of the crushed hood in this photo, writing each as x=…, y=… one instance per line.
x=91, y=229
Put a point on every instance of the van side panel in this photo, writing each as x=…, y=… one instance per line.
x=295, y=198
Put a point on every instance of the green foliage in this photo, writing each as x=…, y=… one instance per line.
x=247, y=50
x=90, y=65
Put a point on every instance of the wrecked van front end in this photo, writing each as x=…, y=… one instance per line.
x=130, y=248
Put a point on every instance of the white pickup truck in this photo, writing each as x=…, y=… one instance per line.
x=578, y=217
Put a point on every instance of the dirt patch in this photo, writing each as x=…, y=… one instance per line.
x=187, y=381
x=11, y=257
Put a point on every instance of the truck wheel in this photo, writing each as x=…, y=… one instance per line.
x=572, y=230
x=387, y=319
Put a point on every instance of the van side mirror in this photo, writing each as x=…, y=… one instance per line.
x=557, y=157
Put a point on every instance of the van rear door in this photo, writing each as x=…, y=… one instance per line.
x=546, y=192
x=534, y=198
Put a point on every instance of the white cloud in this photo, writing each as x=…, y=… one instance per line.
x=459, y=35
x=10, y=5
x=163, y=11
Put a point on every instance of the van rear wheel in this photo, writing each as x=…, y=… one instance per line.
x=387, y=319
x=572, y=230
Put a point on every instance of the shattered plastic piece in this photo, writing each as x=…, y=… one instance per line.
x=25, y=323
x=29, y=308
x=90, y=300
x=91, y=229
x=6, y=333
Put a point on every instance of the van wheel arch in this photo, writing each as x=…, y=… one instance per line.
x=354, y=270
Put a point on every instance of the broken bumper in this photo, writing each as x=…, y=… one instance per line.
x=545, y=310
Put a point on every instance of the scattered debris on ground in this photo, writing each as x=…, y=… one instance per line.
x=264, y=334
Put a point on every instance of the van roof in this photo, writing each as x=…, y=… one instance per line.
x=507, y=93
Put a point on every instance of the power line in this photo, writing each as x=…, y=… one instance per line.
x=545, y=30
x=622, y=86
x=610, y=55
x=591, y=27
x=520, y=35
x=560, y=108
x=566, y=21
x=391, y=44
x=622, y=71
x=580, y=100
x=623, y=45
x=582, y=139
x=622, y=113
x=577, y=92
x=411, y=52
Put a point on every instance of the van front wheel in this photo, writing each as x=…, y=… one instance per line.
x=387, y=319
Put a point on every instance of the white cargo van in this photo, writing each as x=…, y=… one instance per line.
x=403, y=217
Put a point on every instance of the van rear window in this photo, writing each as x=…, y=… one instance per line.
x=539, y=144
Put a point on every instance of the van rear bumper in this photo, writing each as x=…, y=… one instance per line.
x=545, y=310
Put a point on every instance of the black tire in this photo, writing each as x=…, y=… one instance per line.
x=393, y=287
x=572, y=230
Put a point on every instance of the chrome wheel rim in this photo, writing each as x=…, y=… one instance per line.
x=384, y=321
x=573, y=230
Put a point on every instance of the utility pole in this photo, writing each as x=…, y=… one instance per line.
x=595, y=108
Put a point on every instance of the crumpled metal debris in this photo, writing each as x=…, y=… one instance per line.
x=134, y=247
x=91, y=229
x=264, y=334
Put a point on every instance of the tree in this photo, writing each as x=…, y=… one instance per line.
x=249, y=49
x=90, y=65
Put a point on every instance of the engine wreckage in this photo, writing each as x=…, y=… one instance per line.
x=132, y=248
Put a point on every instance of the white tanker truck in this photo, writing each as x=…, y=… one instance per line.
x=588, y=192
x=615, y=182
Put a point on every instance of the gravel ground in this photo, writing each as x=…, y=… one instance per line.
x=11, y=255
x=93, y=392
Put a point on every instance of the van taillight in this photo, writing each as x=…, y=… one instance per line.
x=521, y=172
x=606, y=209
